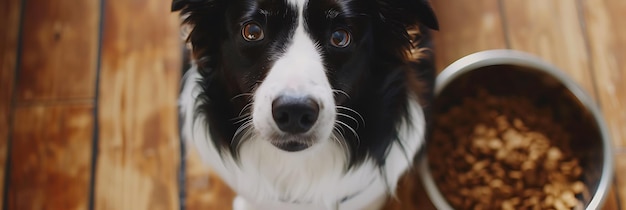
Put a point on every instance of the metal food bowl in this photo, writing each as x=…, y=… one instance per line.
x=508, y=73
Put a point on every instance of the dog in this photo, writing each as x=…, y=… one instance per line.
x=307, y=104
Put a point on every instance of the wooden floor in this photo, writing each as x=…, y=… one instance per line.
x=88, y=94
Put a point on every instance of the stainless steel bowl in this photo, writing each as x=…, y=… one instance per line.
x=510, y=72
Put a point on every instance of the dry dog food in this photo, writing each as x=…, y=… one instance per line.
x=503, y=153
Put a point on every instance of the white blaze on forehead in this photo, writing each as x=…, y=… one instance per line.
x=300, y=68
x=301, y=64
x=299, y=3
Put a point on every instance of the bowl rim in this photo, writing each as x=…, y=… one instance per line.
x=513, y=57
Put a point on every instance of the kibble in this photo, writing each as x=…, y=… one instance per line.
x=503, y=153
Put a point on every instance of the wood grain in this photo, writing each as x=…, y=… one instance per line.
x=607, y=40
x=550, y=30
x=466, y=27
x=9, y=20
x=60, y=50
x=51, y=157
x=204, y=188
x=611, y=200
x=138, y=142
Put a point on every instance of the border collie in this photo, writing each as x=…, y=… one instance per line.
x=307, y=104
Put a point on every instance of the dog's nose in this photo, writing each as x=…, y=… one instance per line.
x=295, y=114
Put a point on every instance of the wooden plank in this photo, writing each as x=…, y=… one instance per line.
x=51, y=157
x=205, y=189
x=59, y=50
x=550, y=30
x=466, y=27
x=611, y=200
x=607, y=40
x=9, y=20
x=138, y=137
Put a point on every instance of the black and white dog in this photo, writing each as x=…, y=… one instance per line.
x=307, y=104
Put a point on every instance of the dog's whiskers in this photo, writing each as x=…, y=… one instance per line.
x=342, y=142
x=248, y=134
x=341, y=92
x=246, y=107
x=243, y=118
x=350, y=117
x=336, y=130
x=351, y=130
x=244, y=127
x=353, y=111
x=241, y=95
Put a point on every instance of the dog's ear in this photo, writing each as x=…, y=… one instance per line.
x=410, y=12
x=180, y=4
x=426, y=15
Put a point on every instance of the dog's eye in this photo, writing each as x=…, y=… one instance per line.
x=252, y=32
x=340, y=38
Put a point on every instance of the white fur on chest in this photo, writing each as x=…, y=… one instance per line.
x=314, y=178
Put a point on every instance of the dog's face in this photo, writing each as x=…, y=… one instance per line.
x=299, y=73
